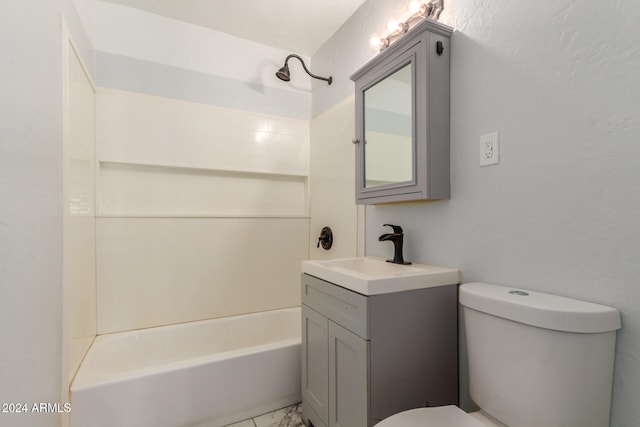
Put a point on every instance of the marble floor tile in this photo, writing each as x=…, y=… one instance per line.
x=286, y=417
x=245, y=423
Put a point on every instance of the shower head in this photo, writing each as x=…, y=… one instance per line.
x=284, y=74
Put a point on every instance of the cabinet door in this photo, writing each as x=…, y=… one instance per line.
x=315, y=362
x=348, y=378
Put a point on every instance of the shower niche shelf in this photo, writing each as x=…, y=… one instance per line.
x=204, y=169
x=131, y=189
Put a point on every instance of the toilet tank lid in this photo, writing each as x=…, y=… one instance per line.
x=539, y=309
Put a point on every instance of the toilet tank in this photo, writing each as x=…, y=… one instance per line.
x=537, y=359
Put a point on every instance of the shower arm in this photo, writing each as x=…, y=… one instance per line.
x=293, y=55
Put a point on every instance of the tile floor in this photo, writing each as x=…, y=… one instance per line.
x=286, y=417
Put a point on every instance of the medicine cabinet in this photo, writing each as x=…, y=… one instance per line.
x=402, y=119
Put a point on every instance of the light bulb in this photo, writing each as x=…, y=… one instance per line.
x=378, y=43
x=414, y=7
x=393, y=26
x=374, y=42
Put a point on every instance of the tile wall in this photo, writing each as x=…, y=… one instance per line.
x=202, y=173
x=79, y=222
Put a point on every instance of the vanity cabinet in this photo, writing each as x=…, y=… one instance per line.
x=365, y=358
x=402, y=119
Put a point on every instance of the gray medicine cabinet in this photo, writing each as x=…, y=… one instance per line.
x=402, y=119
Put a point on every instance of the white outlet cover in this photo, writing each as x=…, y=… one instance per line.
x=490, y=149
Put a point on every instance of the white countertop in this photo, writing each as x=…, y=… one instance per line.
x=373, y=276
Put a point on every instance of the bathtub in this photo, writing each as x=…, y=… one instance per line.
x=206, y=374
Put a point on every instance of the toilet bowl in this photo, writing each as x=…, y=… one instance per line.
x=534, y=360
x=442, y=416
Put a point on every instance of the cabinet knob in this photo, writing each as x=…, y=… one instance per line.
x=355, y=141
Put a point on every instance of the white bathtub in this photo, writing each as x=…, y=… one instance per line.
x=208, y=373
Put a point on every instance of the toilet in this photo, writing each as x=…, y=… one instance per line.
x=534, y=360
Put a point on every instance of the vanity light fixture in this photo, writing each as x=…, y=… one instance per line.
x=417, y=10
x=284, y=75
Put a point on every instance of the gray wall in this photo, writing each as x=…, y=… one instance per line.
x=30, y=204
x=561, y=212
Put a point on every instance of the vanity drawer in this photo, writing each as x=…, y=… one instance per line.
x=347, y=308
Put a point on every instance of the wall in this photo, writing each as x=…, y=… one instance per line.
x=332, y=157
x=78, y=206
x=31, y=212
x=332, y=183
x=560, y=212
x=203, y=166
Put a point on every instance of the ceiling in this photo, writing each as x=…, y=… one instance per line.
x=299, y=26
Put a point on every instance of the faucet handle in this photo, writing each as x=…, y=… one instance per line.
x=396, y=228
x=326, y=238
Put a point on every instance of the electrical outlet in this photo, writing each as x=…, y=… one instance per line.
x=489, y=149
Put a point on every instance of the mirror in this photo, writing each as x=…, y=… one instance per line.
x=388, y=130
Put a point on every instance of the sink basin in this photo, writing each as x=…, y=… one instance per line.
x=372, y=276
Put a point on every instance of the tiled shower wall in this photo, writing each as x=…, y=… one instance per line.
x=202, y=173
x=78, y=212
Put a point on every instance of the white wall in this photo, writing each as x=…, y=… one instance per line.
x=142, y=52
x=560, y=212
x=203, y=166
x=332, y=180
x=79, y=223
x=31, y=214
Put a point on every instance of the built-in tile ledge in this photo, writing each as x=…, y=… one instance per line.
x=203, y=169
x=195, y=215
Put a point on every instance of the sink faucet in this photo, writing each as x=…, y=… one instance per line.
x=397, y=237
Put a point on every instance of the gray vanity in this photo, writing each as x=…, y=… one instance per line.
x=377, y=339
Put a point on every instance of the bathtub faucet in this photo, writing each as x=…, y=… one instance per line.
x=397, y=237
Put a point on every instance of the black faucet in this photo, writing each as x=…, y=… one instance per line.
x=397, y=237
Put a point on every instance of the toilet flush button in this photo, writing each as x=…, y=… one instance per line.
x=520, y=293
